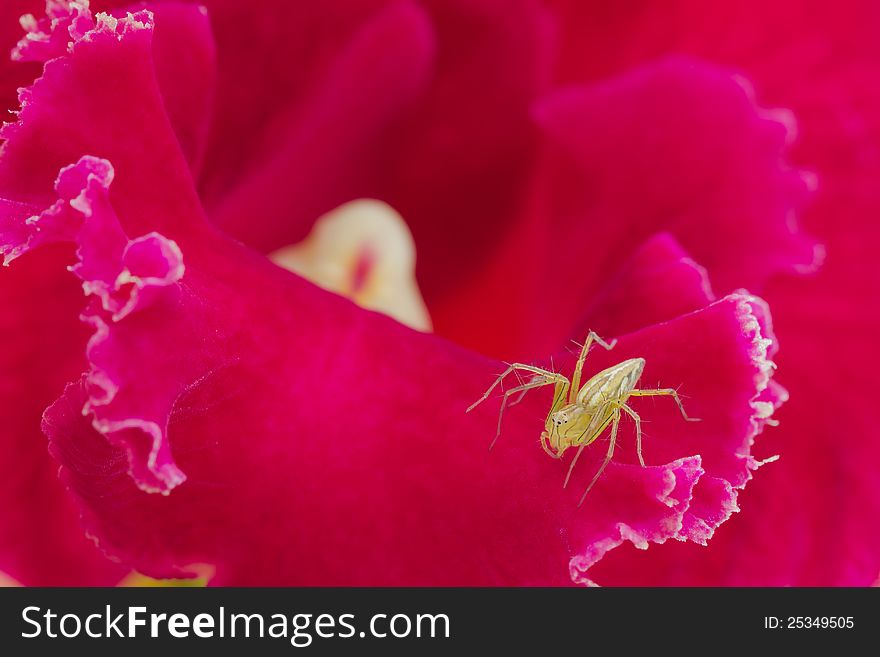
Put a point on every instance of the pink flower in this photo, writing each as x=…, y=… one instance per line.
x=221, y=411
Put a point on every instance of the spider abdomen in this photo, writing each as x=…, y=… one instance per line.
x=613, y=383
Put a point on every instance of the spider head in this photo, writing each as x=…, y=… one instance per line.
x=565, y=426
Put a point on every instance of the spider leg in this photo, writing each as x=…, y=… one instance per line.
x=638, y=421
x=513, y=368
x=557, y=397
x=522, y=394
x=534, y=383
x=615, y=423
x=545, y=444
x=583, y=443
x=582, y=358
x=573, y=463
x=665, y=392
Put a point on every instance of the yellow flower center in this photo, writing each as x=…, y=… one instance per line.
x=362, y=250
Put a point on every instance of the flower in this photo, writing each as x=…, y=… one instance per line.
x=223, y=413
x=819, y=505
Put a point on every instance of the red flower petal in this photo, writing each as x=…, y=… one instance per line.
x=188, y=375
x=14, y=74
x=319, y=155
x=43, y=141
x=659, y=282
x=397, y=505
x=468, y=148
x=125, y=276
x=334, y=439
x=820, y=501
x=706, y=117
x=43, y=301
x=184, y=57
x=676, y=147
x=652, y=511
x=48, y=37
x=41, y=539
x=423, y=105
x=271, y=62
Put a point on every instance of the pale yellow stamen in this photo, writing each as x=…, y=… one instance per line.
x=362, y=250
x=204, y=571
x=135, y=579
x=6, y=581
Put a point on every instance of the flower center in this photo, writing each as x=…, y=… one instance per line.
x=362, y=250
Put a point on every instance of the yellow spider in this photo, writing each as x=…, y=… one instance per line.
x=579, y=414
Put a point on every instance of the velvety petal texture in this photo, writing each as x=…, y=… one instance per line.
x=14, y=74
x=301, y=458
x=820, y=502
x=677, y=146
x=424, y=105
x=42, y=541
x=41, y=538
x=44, y=303
x=233, y=414
x=326, y=152
x=562, y=166
x=707, y=117
x=659, y=282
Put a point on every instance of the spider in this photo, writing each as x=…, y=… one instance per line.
x=579, y=414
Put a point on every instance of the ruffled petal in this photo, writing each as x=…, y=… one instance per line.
x=177, y=387
x=42, y=299
x=222, y=389
x=396, y=504
x=41, y=539
x=49, y=36
x=183, y=55
x=14, y=74
x=125, y=121
x=723, y=439
x=820, y=501
x=659, y=282
x=655, y=129
x=677, y=147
